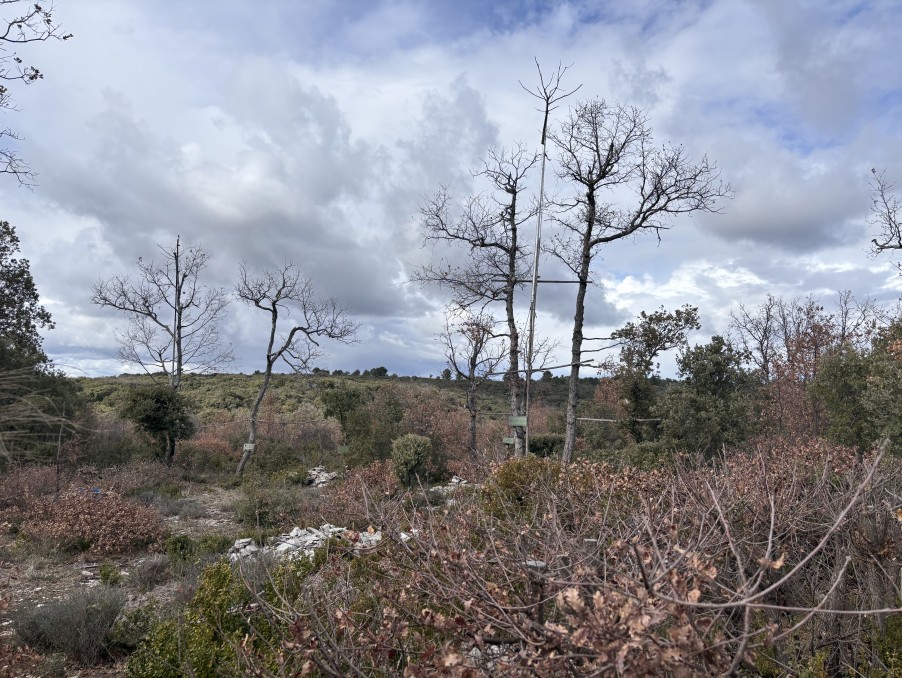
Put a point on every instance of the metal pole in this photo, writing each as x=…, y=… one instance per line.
x=535, y=281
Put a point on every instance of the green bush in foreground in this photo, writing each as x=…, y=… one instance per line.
x=204, y=641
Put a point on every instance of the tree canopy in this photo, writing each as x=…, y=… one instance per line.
x=21, y=312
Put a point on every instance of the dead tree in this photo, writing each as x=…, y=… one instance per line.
x=280, y=293
x=473, y=352
x=31, y=23
x=756, y=332
x=173, y=317
x=604, y=151
x=489, y=229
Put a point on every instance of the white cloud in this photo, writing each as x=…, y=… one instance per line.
x=311, y=131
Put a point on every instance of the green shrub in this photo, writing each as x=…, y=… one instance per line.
x=546, y=444
x=518, y=483
x=275, y=455
x=78, y=626
x=293, y=475
x=219, y=619
x=410, y=458
x=109, y=574
x=265, y=503
x=180, y=548
x=131, y=628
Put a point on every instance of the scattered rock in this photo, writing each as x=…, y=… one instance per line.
x=453, y=484
x=304, y=542
x=319, y=476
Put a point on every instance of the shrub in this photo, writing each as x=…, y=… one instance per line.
x=109, y=574
x=546, y=444
x=150, y=572
x=78, y=626
x=517, y=482
x=103, y=523
x=131, y=628
x=222, y=620
x=410, y=458
x=110, y=441
x=265, y=503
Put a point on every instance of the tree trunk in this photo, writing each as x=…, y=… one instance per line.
x=579, y=316
x=576, y=347
x=516, y=392
x=170, y=449
x=252, y=435
x=471, y=408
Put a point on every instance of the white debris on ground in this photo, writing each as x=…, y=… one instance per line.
x=304, y=542
x=453, y=484
x=319, y=476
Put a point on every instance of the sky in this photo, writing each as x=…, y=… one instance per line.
x=310, y=132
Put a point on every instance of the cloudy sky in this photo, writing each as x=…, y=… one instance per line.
x=310, y=131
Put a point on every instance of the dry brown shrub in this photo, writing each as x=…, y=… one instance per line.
x=353, y=501
x=102, y=523
x=124, y=479
x=787, y=554
x=21, y=482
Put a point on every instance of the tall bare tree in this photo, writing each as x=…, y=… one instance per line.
x=282, y=292
x=488, y=227
x=30, y=23
x=173, y=317
x=605, y=150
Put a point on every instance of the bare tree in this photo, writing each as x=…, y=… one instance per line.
x=885, y=208
x=174, y=318
x=488, y=227
x=281, y=292
x=756, y=333
x=473, y=354
x=32, y=23
x=605, y=150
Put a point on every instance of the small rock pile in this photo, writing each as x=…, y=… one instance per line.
x=453, y=484
x=319, y=476
x=303, y=542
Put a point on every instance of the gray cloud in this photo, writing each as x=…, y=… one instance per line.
x=311, y=132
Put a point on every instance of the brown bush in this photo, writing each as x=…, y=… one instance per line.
x=102, y=523
x=787, y=556
x=21, y=482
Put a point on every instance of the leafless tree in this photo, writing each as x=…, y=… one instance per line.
x=282, y=292
x=473, y=352
x=174, y=318
x=604, y=151
x=885, y=208
x=31, y=23
x=755, y=331
x=489, y=228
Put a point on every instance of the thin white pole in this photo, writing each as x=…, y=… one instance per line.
x=535, y=282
